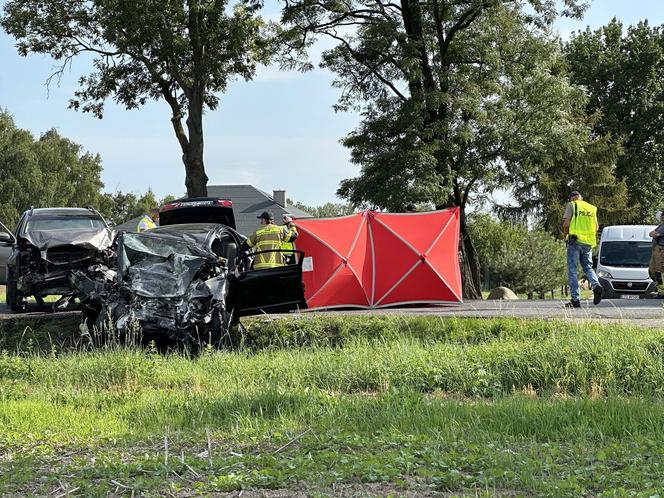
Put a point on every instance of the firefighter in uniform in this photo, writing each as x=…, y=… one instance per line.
x=656, y=268
x=580, y=225
x=290, y=234
x=148, y=221
x=268, y=237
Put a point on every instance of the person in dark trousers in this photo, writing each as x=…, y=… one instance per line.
x=580, y=227
x=656, y=267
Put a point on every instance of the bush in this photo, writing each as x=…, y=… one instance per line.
x=523, y=260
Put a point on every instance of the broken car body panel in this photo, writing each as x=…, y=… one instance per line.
x=187, y=281
x=52, y=242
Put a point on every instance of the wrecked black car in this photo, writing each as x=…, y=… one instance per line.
x=187, y=283
x=48, y=245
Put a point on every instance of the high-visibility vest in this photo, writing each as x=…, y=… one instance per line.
x=268, y=238
x=583, y=223
x=146, y=223
x=287, y=244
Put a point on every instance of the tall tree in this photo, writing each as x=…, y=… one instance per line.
x=48, y=172
x=589, y=166
x=182, y=51
x=452, y=94
x=624, y=74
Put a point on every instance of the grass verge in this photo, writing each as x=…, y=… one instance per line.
x=355, y=406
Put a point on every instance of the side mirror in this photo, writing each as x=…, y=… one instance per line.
x=6, y=238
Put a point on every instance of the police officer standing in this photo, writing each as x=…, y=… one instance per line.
x=290, y=234
x=580, y=226
x=268, y=237
x=657, y=259
x=148, y=221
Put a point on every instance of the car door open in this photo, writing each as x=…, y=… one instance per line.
x=268, y=290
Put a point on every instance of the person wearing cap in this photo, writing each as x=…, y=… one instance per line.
x=656, y=267
x=580, y=227
x=268, y=237
x=148, y=221
x=290, y=234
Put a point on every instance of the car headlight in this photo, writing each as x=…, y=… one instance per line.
x=604, y=274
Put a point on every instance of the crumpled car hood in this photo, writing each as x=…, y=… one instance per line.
x=152, y=269
x=90, y=239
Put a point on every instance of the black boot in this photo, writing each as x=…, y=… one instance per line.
x=598, y=292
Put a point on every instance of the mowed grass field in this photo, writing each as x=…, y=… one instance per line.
x=362, y=406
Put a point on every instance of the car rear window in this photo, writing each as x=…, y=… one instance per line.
x=206, y=211
x=46, y=223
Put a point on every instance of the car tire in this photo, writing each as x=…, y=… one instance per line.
x=13, y=297
x=221, y=326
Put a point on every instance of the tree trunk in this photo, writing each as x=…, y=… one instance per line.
x=470, y=268
x=196, y=179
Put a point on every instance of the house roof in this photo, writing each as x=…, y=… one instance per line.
x=249, y=202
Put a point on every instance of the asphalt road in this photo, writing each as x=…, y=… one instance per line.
x=643, y=312
x=647, y=312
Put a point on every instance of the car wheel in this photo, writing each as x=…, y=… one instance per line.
x=13, y=297
x=220, y=328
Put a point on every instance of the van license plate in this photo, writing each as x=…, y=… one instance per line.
x=629, y=296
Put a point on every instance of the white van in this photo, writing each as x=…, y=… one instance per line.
x=623, y=257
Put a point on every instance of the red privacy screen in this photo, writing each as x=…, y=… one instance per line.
x=371, y=259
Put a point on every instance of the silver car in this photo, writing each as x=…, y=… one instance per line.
x=7, y=242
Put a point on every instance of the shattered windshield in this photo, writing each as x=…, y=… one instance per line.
x=139, y=247
x=625, y=253
x=161, y=266
x=46, y=223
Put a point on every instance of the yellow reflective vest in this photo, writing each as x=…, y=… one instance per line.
x=290, y=235
x=267, y=238
x=583, y=223
x=145, y=223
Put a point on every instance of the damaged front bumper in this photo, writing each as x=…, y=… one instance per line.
x=174, y=295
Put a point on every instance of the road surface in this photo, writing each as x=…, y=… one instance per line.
x=648, y=312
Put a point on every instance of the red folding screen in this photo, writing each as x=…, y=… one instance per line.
x=371, y=259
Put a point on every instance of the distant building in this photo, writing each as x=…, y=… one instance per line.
x=249, y=202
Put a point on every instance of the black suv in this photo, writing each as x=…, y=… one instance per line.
x=48, y=244
x=187, y=280
x=198, y=210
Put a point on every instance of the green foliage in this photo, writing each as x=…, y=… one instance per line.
x=526, y=261
x=185, y=53
x=47, y=172
x=327, y=210
x=366, y=405
x=456, y=98
x=624, y=75
x=590, y=169
x=120, y=207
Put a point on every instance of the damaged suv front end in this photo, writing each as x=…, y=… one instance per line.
x=184, y=284
x=50, y=244
x=168, y=282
